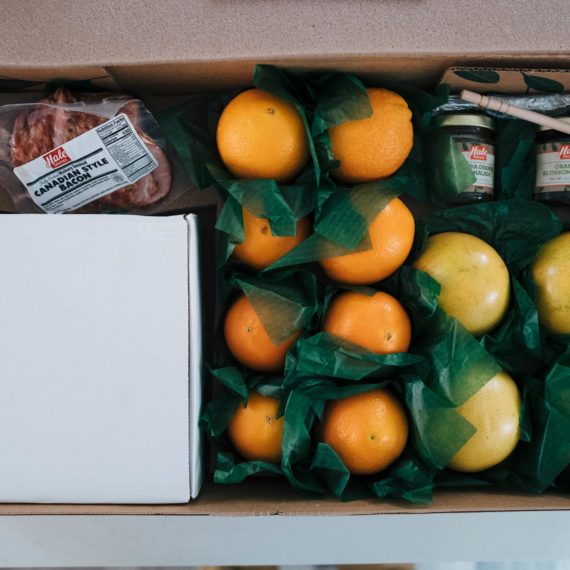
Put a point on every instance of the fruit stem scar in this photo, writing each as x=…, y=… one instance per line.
x=271, y=110
x=250, y=329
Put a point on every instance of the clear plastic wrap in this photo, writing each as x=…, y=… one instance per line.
x=555, y=105
x=83, y=153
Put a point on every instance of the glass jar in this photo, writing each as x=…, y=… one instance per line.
x=552, y=150
x=474, y=135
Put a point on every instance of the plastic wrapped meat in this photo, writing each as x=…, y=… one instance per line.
x=64, y=116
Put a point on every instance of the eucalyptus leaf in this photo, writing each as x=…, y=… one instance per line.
x=486, y=76
x=544, y=84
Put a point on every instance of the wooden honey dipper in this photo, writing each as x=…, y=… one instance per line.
x=502, y=106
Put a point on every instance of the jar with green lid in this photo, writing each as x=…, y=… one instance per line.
x=552, y=166
x=474, y=135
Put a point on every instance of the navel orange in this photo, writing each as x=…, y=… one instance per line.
x=260, y=135
x=368, y=431
x=255, y=431
x=375, y=147
x=248, y=341
x=260, y=248
x=375, y=322
x=391, y=235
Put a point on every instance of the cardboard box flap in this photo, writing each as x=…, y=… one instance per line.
x=80, y=78
x=505, y=80
x=194, y=76
x=186, y=45
x=420, y=69
x=273, y=497
x=109, y=33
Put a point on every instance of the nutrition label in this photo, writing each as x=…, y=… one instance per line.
x=126, y=147
x=94, y=164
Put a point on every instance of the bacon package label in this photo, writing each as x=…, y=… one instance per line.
x=92, y=165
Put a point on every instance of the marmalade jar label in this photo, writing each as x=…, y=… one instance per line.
x=481, y=159
x=552, y=167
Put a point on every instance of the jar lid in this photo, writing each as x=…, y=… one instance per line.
x=541, y=129
x=465, y=120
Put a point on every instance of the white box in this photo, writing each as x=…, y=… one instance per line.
x=100, y=359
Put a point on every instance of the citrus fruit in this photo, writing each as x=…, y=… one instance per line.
x=495, y=412
x=260, y=248
x=248, y=341
x=375, y=322
x=375, y=147
x=368, y=431
x=260, y=135
x=391, y=235
x=255, y=431
x=551, y=273
x=475, y=283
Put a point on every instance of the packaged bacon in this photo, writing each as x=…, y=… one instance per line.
x=83, y=153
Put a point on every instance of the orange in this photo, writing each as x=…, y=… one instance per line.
x=551, y=273
x=260, y=248
x=375, y=322
x=391, y=234
x=262, y=136
x=255, y=431
x=475, y=282
x=495, y=412
x=375, y=147
x=249, y=342
x=368, y=431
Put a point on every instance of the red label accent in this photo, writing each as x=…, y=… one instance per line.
x=56, y=157
x=478, y=152
x=565, y=152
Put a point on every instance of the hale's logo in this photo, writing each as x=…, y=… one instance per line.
x=478, y=152
x=565, y=152
x=56, y=157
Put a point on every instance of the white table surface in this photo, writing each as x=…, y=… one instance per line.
x=284, y=540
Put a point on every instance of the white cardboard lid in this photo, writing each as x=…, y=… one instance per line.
x=94, y=359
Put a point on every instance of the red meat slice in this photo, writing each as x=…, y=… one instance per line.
x=44, y=128
x=32, y=135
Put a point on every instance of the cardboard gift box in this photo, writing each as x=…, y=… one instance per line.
x=188, y=47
